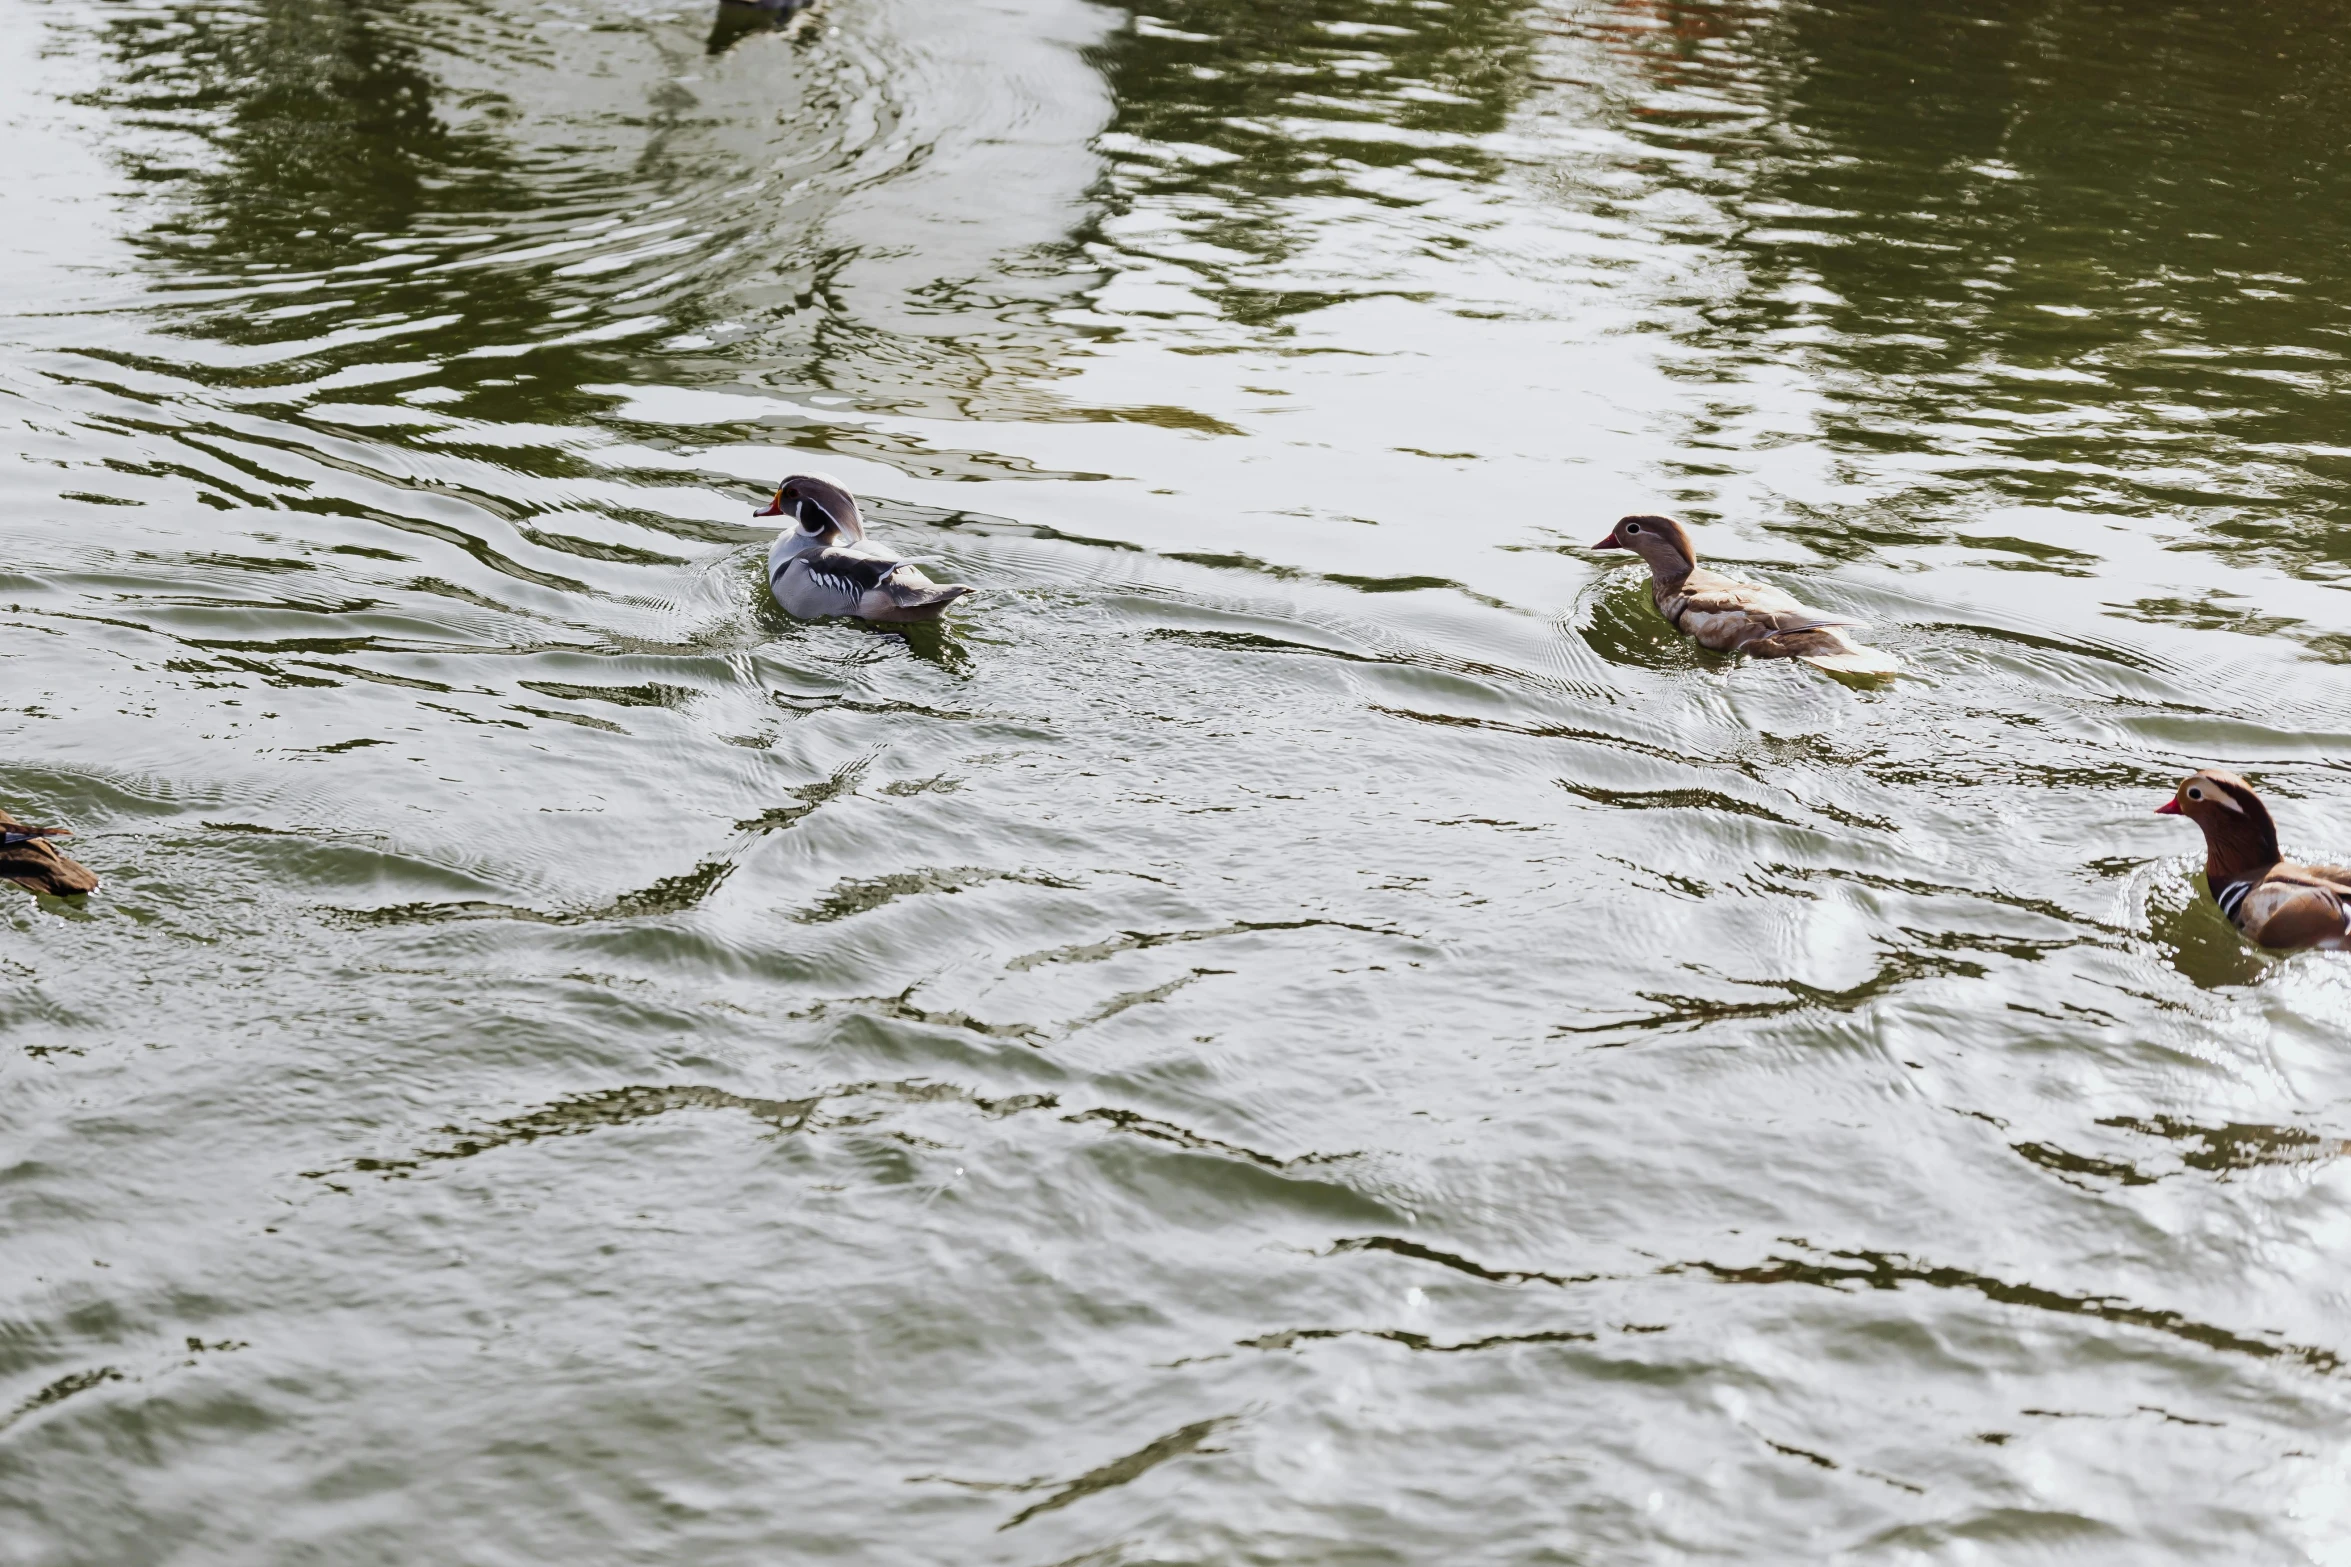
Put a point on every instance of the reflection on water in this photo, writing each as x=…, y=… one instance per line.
x=2100, y=248
x=1241, y=129
x=1271, y=1033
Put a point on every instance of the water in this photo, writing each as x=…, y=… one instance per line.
x=1304, y=1025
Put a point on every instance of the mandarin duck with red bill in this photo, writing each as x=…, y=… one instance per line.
x=1726, y=615
x=2274, y=901
x=29, y=859
x=820, y=566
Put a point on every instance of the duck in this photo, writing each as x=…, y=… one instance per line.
x=819, y=566
x=1729, y=616
x=2274, y=901
x=33, y=863
x=738, y=19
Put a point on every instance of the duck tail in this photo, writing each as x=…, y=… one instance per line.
x=916, y=597
x=1857, y=660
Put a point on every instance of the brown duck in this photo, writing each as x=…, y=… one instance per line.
x=1730, y=616
x=28, y=859
x=2274, y=901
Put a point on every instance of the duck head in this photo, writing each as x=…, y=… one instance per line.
x=1660, y=541
x=2239, y=838
x=826, y=513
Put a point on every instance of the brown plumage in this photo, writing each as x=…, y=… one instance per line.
x=33, y=863
x=1729, y=616
x=2274, y=901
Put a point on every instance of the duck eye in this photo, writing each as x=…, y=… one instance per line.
x=1632, y=527
x=2195, y=794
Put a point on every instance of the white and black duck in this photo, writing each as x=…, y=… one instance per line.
x=821, y=566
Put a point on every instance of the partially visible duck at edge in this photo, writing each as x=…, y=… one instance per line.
x=33, y=863
x=2274, y=901
x=738, y=19
x=820, y=567
x=1728, y=616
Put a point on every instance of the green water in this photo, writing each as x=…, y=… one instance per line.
x=1303, y=1025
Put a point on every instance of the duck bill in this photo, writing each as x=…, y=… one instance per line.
x=1612, y=542
x=2168, y=808
x=775, y=508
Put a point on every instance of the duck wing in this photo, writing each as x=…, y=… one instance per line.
x=872, y=587
x=2291, y=906
x=831, y=581
x=1728, y=615
x=28, y=859
x=850, y=571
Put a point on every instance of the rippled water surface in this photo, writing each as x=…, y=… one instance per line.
x=1302, y=1025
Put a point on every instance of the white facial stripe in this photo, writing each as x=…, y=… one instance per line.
x=2222, y=795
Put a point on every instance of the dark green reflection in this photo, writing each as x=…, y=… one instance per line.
x=1254, y=103
x=318, y=172
x=318, y=123
x=2097, y=247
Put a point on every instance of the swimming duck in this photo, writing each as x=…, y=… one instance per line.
x=738, y=19
x=28, y=859
x=1729, y=616
x=2274, y=901
x=818, y=567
